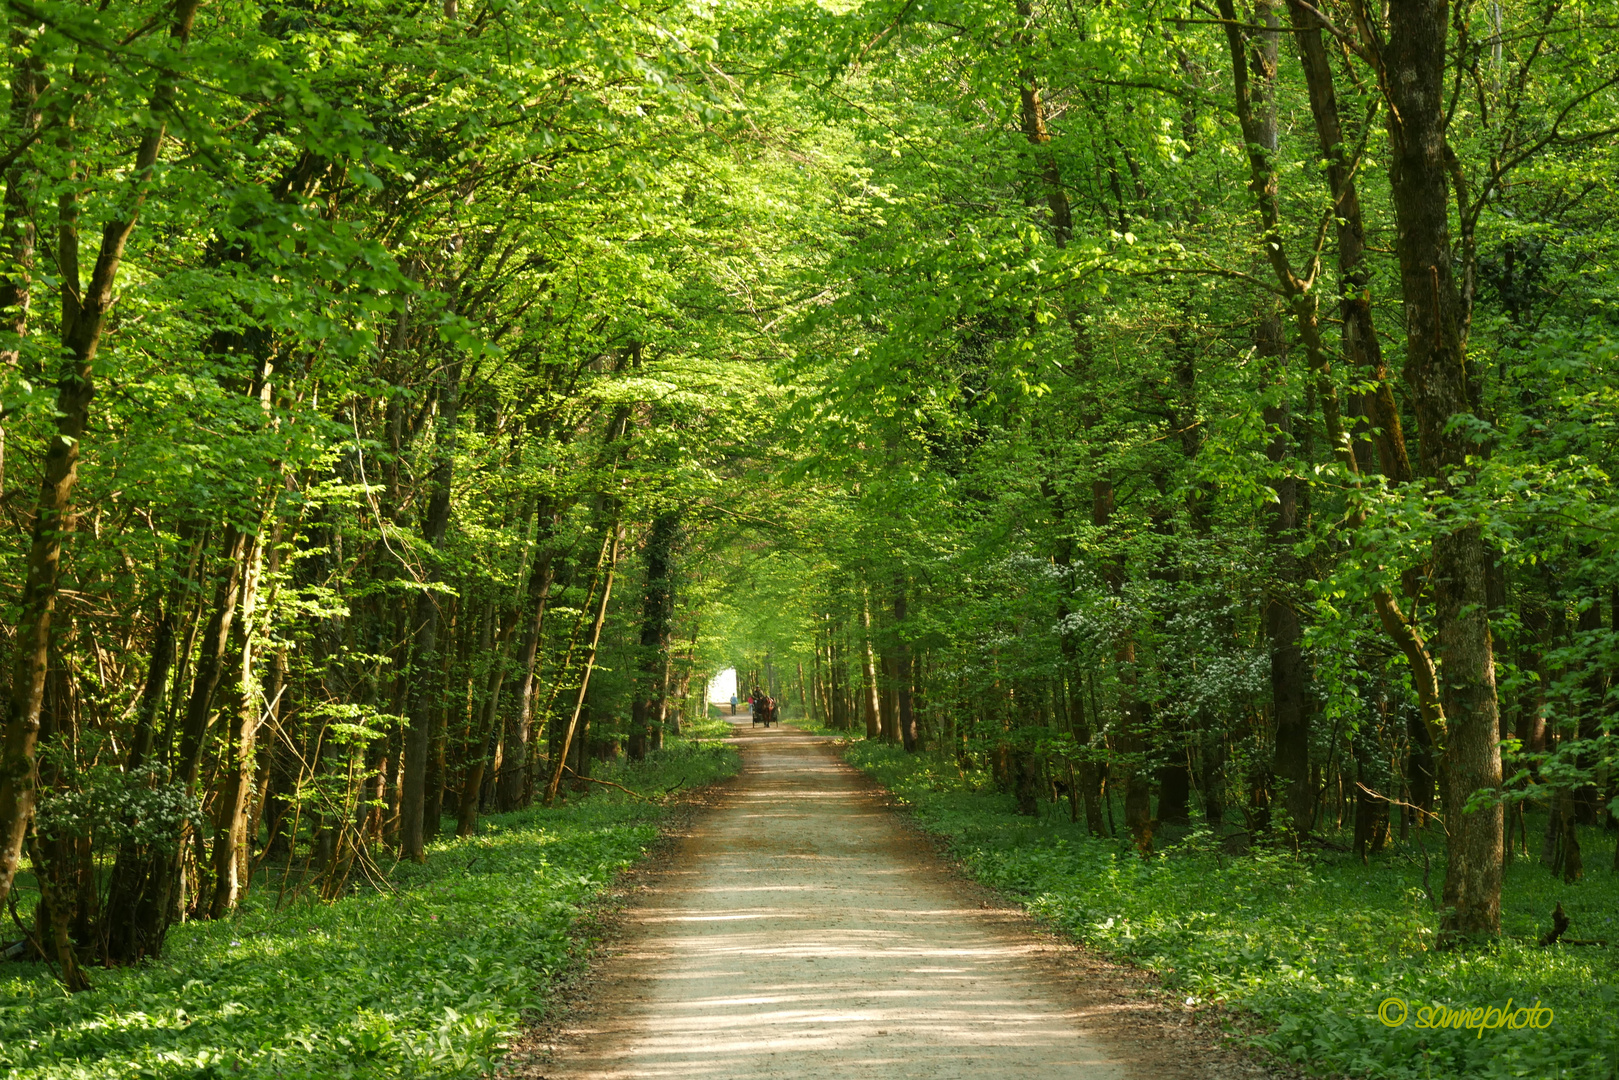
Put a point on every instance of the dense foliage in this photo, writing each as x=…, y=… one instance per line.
x=1199, y=409
x=1221, y=413
x=429, y=357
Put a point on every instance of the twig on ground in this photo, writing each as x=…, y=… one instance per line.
x=608, y=783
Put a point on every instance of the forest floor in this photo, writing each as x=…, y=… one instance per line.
x=428, y=976
x=801, y=928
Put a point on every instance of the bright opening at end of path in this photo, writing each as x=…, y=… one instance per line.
x=722, y=686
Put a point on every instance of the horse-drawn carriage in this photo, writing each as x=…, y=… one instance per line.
x=766, y=710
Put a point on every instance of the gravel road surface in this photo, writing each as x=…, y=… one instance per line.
x=801, y=929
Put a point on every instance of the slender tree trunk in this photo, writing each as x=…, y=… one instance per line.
x=1289, y=674
x=868, y=672
x=1129, y=740
x=687, y=669
x=1084, y=775
x=838, y=676
x=481, y=748
x=130, y=874
x=513, y=789
x=1080, y=726
x=129, y=878
x=1258, y=52
x=159, y=895
x=887, y=695
x=657, y=614
x=1360, y=341
x=1033, y=113
x=413, y=796
x=487, y=737
x=561, y=757
x=438, y=740
x=56, y=912
x=903, y=675
x=231, y=829
x=1254, y=56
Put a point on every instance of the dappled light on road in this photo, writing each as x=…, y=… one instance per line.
x=802, y=932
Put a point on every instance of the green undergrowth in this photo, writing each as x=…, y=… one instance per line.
x=712, y=726
x=1309, y=945
x=425, y=979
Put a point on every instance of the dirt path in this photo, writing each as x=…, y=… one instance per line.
x=801, y=930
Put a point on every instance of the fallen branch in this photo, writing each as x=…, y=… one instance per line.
x=607, y=783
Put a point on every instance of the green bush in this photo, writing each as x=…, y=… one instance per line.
x=1310, y=945
x=427, y=980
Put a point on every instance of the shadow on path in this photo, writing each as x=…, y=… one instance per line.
x=801, y=931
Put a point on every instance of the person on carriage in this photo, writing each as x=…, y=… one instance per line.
x=757, y=701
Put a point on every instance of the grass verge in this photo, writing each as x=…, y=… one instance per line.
x=427, y=981
x=714, y=725
x=1310, y=946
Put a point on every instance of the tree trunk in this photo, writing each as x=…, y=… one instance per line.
x=1033, y=114
x=1360, y=343
x=438, y=742
x=1130, y=738
x=688, y=668
x=1289, y=675
x=17, y=237
x=868, y=672
x=1414, y=79
x=1371, y=811
x=888, y=671
x=483, y=747
x=509, y=791
x=129, y=874
x=413, y=796
x=1089, y=782
x=561, y=756
x=84, y=318
x=657, y=616
x=903, y=689
x=1175, y=788
x=162, y=885
x=231, y=818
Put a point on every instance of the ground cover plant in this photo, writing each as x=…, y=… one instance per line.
x=426, y=978
x=1309, y=944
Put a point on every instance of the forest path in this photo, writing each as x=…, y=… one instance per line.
x=801, y=930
